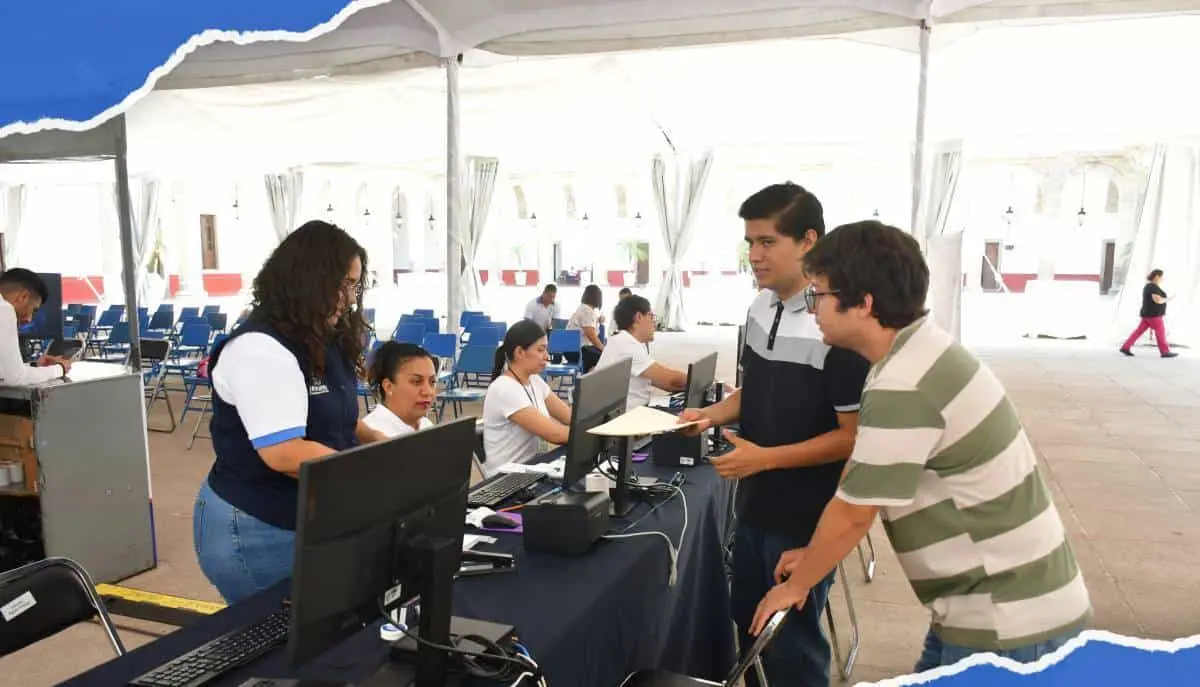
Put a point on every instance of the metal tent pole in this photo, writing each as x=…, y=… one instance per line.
x=454, y=293
x=128, y=268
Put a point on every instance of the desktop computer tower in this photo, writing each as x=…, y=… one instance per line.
x=675, y=449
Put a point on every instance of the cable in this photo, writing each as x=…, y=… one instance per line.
x=671, y=547
x=472, y=659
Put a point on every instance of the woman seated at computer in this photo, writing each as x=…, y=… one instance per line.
x=520, y=412
x=404, y=378
x=285, y=391
x=587, y=319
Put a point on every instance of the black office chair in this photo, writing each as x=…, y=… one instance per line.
x=155, y=354
x=44, y=598
x=662, y=678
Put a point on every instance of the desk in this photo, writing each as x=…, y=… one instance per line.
x=589, y=621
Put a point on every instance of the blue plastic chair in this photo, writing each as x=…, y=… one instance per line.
x=192, y=343
x=445, y=347
x=561, y=342
x=409, y=332
x=467, y=315
x=423, y=312
x=484, y=335
x=163, y=320
x=474, y=365
x=210, y=310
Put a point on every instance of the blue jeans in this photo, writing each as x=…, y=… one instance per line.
x=938, y=653
x=240, y=555
x=799, y=655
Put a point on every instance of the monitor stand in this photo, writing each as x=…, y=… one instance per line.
x=400, y=669
x=622, y=499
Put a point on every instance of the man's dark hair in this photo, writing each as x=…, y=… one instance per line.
x=1154, y=274
x=625, y=291
x=873, y=258
x=627, y=309
x=550, y=288
x=794, y=209
x=21, y=278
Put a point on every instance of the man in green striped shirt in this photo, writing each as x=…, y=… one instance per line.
x=942, y=455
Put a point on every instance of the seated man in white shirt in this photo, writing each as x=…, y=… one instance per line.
x=404, y=378
x=542, y=309
x=635, y=321
x=22, y=292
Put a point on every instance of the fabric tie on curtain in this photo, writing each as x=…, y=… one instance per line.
x=15, y=198
x=283, y=201
x=941, y=239
x=480, y=185
x=676, y=219
x=1167, y=237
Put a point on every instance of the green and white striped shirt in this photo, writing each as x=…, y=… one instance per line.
x=941, y=450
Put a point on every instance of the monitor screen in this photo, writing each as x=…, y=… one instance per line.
x=599, y=396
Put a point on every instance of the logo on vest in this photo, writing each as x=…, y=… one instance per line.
x=316, y=387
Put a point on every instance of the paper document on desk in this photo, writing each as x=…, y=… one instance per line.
x=641, y=421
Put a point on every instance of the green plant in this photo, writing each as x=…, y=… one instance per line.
x=517, y=251
x=633, y=250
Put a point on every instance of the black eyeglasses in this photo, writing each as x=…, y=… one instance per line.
x=811, y=294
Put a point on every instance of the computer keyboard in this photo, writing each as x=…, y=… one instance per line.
x=221, y=655
x=494, y=491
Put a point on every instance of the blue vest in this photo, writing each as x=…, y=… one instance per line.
x=239, y=474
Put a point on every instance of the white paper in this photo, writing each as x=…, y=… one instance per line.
x=641, y=421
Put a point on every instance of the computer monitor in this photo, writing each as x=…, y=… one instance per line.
x=381, y=521
x=700, y=377
x=599, y=396
x=47, y=322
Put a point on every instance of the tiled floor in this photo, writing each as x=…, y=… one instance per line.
x=1120, y=442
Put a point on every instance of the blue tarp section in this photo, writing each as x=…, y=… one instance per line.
x=75, y=59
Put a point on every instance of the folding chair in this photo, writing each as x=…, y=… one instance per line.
x=565, y=341
x=473, y=361
x=54, y=594
x=445, y=348
x=155, y=353
x=409, y=332
x=423, y=312
x=662, y=678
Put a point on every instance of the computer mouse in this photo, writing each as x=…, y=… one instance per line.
x=500, y=521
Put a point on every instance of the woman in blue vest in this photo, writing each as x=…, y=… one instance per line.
x=285, y=390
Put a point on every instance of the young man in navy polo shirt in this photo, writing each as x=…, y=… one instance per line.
x=798, y=412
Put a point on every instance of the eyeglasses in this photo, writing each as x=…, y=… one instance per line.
x=354, y=289
x=811, y=294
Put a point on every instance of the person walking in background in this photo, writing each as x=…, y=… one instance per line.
x=587, y=319
x=1154, y=309
x=542, y=309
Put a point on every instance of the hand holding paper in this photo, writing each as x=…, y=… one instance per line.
x=641, y=421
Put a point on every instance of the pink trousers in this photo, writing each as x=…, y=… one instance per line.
x=1160, y=334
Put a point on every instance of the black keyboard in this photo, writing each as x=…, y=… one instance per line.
x=221, y=655
x=493, y=492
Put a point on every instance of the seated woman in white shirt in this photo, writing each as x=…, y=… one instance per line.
x=520, y=411
x=404, y=378
x=587, y=319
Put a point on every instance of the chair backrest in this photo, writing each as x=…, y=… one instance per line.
x=109, y=318
x=565, y=341
x=369, y=316
x=163, y=319
x=558, y=323
x=423, y=312
x=44, y=598
x=119, y=334
x=760, y=644
x=410, y=332
x=468, y=315
x=442, y=345
x=432, y=324
x=195, y=333
x=211, y=310
x=143, y=320
x=485, y=335
x=476, y=360
x=188, y=313
x=89, y=310
x=218, y=321
x=154, y=350
x=74, y=308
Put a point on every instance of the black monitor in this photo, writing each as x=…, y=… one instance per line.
x=381, y=521
x=47, y=323
x=599, y=397
x=701, y=375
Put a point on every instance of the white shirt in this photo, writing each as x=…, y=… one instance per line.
x=504, y=441
x=13, y=370
x=585, y=316
x=381, y=419
x=542, y=314
x=620, y=346
x=262, y=379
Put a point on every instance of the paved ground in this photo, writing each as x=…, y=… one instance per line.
x=1120, y=442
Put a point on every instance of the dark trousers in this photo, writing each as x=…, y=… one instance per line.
x=591, y=356
x=799, y=655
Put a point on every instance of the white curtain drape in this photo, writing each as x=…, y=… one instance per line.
x=1167, y=238
x=677, y=195
x=941, y=238
x=146, y=220
x=401, y=222
x=15, y=198
x=283, y=201
x=480, y=184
